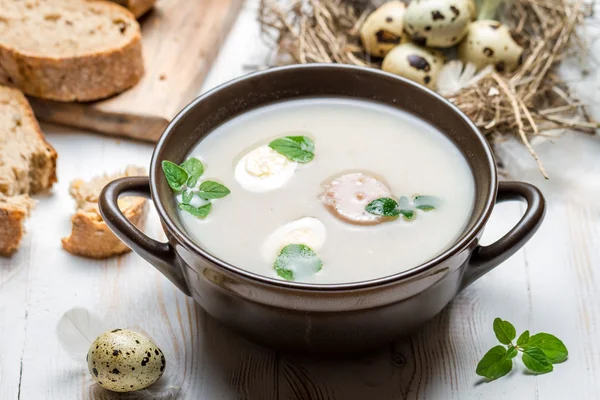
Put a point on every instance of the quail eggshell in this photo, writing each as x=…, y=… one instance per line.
x=416, y=63
x=384, y=29
x=122, y=360
x=438, y=23
x=489, y=42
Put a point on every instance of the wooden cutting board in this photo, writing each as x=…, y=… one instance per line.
x=181, y=38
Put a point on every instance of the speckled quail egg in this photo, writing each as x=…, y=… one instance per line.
x=125, y=361
x=384, y=29
x=472, y=9
x=415, y=63
x=489, y=42
x=438, y=23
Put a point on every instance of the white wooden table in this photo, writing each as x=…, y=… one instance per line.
x=552, y=285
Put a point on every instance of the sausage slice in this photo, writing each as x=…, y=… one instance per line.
x=347, y=196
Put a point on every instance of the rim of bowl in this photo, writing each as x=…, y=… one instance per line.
x=464, y=240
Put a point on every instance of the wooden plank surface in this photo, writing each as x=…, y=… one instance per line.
x=14, y=297
x=552, y=285
x=180, y=40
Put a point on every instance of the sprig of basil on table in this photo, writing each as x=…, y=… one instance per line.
x=296, y=257
x=388, y=207
x=539, y=351
x=295, y=148
x=184, y=177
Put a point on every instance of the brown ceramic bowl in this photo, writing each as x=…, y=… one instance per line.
x=321, y=317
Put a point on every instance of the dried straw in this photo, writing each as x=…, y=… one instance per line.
x=532, y=101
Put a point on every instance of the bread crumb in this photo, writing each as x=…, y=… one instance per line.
x=90, y=236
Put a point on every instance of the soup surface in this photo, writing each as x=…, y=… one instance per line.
x=350, y=136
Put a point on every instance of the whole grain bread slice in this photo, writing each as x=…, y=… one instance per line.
x=13, y=212
x=27, y=166
x=90, y=236
x=69, y=50
x=137, y=7
x=27, y=161
x=4, y=79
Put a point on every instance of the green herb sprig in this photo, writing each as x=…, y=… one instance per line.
x=183, y=179
x=539, y=351
x=388, y=207
x=294, y=258
x=295, y=148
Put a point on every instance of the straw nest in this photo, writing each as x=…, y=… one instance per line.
x=532, y=101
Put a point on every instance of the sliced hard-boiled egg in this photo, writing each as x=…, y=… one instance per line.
x=263, y=169
x=307, y=231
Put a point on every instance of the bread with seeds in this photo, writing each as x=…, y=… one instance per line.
x=27, y=166
x=137, y=7
x=69, y=50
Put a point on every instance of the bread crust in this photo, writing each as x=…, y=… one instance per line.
x=13, y=212
x=4, y=79
x=41, y=173
x=11, y=229
x=47, y=177
x=79, y=78
x=137, y=7
x=90, y=237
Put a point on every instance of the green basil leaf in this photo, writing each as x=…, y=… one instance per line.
x=494, y=363
x=523, y=339
x=404, y=203
x=297, y=258
x=200, y=212
x=536, y=361
x=553, y=347
x=384, y=206
x=286, y=274
x=504, y=330
x=175, y=175
x=425, y=208
x=428, y=201
x=194, y=169
x=187, y=197
x=294, y=148
x=212, y=190
x=407, y=214
x=511, y=352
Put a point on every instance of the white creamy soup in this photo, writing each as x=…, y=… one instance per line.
x=366, y=155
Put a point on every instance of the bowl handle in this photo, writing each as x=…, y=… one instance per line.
x=161, y=255
x=486, y=258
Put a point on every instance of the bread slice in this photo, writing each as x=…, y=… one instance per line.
x=13, y=212
x=27, y=161
x=4, y=79
x=137, y=7
x=27, y=165
x=90, y=236
x=69, y=50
